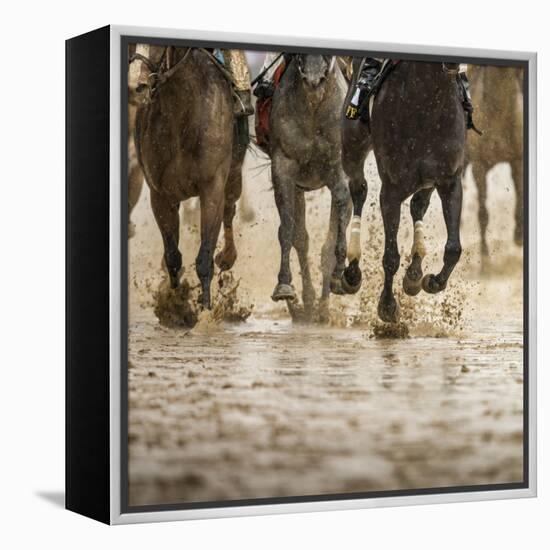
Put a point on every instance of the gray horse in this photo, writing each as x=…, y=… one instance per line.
x=185, y=140
x=418, y=133
x=306, y=152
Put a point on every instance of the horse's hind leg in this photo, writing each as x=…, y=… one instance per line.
x=479, y=172
x=212, y=205
x=351, y=279
x=451, y=202
x=341, y=202
x=301, y=244
x=166, y=215
x=333, y=253
x=226, y=258
x=412, y=282
x=390, y=205
x=517, y=175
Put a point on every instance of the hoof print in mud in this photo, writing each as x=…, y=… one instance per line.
x=284, y=292
x=431, y=285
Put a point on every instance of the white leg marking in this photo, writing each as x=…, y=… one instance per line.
x=354, y=249
x=419, y=246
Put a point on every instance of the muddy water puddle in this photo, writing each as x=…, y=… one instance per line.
x=267, y=408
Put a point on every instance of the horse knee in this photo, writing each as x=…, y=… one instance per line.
x=390, y=261
x=453, y=251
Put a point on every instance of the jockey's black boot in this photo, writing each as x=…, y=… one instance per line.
x=264, y=88
x=464, y=85
x=242, y=105
x=368, y=77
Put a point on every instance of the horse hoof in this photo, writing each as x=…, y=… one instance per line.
x=336, y=285
x=131, y=230
x=410, y=286
x=431, y=285
x=389, y=313
x=351, y=279
x=284, y=292
x=225, y=260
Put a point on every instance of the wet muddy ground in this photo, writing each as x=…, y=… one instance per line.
x=268, y=408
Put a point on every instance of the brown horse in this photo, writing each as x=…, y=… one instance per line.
x=185, y=141
x=497, y=98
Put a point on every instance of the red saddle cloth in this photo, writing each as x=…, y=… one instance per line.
x=263, y=112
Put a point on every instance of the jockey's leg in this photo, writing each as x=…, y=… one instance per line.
x=364, y=87
x=238, y=67
x=266, y=86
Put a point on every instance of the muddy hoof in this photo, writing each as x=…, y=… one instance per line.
x=410, y=286
x=225, y=261
x=351, y=279
x=336, y=285
x=431, y=285
x=283, y=292
x=389, y=313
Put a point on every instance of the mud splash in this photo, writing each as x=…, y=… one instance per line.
x=179, y=307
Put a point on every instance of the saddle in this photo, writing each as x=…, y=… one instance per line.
x=264, y=102
x=161, y=72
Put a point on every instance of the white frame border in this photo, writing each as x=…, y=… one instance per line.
x=115, y=273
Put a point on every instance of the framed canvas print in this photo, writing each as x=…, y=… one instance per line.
x=300, y=274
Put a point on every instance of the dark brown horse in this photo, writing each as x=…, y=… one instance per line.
x=418, y=133
x=497, y=98
x=185, y=140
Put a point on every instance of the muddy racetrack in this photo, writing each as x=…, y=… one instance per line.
x=268, y=408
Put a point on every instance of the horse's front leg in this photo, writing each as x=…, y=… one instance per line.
x=355, y=148
x=390, y=205
x=226, y=257
x=212, y=205
x=167, y=218
x=451, y=202
x=351, y=279
x=283, y=186
x=412, y=282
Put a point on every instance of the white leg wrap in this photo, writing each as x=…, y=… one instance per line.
x=354, y=248
x=419, y=246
